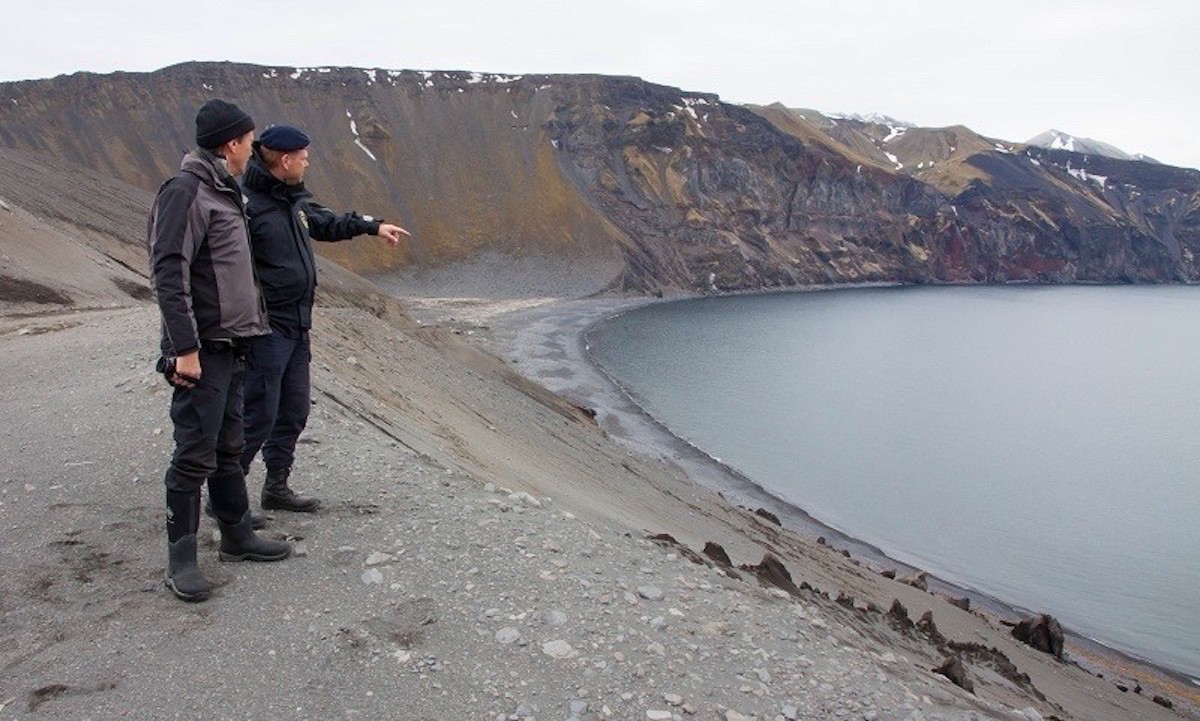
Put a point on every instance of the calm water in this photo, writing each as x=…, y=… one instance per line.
x=1040, y=445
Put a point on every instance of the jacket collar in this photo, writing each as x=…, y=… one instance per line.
x=211, y=169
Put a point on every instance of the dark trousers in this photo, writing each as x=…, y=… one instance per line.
x=277, y=392
x=209, y=434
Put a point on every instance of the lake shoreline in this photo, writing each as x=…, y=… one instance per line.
x=546, y=339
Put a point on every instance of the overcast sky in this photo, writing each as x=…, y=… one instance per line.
x=1122, y=71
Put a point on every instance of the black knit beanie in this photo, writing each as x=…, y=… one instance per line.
x=218, y=122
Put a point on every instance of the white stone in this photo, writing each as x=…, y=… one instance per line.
x=650, y=593
x=558, y=649
x=508, y=635
x=379, y=558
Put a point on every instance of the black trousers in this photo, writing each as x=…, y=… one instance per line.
x=208, y=433
x=277, y=395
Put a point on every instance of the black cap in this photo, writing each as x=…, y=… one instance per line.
x=283, y=138
x=218, y=122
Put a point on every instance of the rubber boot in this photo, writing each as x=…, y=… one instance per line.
x=258, y=521
x=276, y=494
x=239, y=542
x=183, y=573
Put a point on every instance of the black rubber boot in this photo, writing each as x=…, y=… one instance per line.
x=239, y=542
x=258, y=521
x=183, y=573
x=276, y=494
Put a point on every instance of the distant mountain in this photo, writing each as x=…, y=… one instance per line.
x=1058, y=140
x=618, y=183
x=873, y=119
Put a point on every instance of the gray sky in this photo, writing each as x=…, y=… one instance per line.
x=1122, y=71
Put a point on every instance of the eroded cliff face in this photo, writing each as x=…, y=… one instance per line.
x=644, y=187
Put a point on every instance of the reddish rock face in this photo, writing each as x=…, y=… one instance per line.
x=640, y=186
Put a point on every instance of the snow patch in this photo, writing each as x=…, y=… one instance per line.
x=492, y=78
x=686, y=109
x=1001, y=149
x=1085, y=176
x=895, y=131
x=895, y=161
x=357, y=140
x=872, y=119
x=1062, y=142
x=206, y=86
x=366, y=150
x=370, y=76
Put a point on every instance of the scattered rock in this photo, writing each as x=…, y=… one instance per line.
x=1164, y=702
x=889, y=573
x=764, y=513
x=772, y=572
x=558, y=649
x=650, y=593
x=659, y=715
x=673, y=699
x=379, y=558
x=926, y=626
x=964, y=603
x=898, y=616
x=954, y=670
x=508, y=635
x=717, y=554
x=1042, y=632
x=918, y=580
x=552, y=618
x=372, y=576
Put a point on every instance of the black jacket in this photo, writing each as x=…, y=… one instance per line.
x=200, y=261
x=282, y=219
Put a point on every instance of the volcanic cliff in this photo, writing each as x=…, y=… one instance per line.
x=634, y=186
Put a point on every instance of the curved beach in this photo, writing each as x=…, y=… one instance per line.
x=548, y=342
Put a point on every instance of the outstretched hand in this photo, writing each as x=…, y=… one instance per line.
x=391, y=233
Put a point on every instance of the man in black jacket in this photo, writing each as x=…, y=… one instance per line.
x=283, y=217
x=202, y=274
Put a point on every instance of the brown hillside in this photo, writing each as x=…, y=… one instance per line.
x=571, y=184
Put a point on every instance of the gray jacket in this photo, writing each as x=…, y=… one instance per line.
x=201, y=267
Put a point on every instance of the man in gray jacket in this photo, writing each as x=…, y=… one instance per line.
x=202, y=273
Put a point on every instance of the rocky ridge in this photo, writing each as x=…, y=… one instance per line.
x=640, y=187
